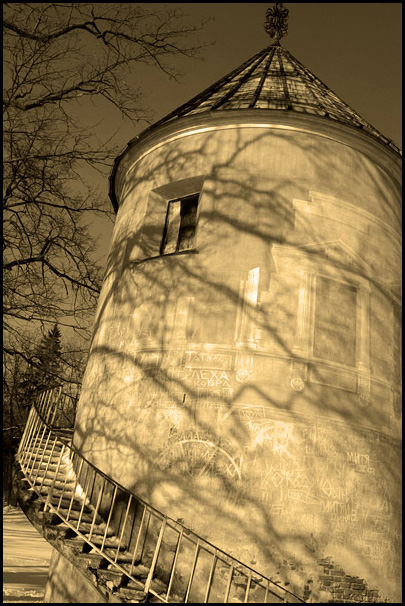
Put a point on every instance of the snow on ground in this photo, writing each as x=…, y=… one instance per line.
x=26, y=557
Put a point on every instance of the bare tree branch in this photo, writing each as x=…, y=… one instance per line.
x=57, y=58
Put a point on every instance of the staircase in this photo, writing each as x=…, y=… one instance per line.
x=126, y=548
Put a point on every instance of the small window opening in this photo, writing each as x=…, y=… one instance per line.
x=180, y=227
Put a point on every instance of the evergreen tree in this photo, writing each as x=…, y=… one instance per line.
x=48, y=355
x=41, y=368
x=46, y=366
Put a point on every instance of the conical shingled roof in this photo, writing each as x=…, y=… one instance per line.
x=274, y=79
x=270, y=80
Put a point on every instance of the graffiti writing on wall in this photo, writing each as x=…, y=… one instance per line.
x=201, y=377
x=276, y=433
x=196, y=454
x=361, y=462
x=201, y=360
x=146, y=359
x=154, y=358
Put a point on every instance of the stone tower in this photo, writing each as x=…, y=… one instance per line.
x=244, y=373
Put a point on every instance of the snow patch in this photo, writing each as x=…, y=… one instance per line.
x=26, y=557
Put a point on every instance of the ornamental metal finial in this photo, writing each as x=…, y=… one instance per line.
x=276, y=24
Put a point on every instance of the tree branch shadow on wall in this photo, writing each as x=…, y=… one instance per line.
x=244, y=459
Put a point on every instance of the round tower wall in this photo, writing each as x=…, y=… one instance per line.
x=249, y=384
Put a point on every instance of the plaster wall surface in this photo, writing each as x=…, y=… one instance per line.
x=66, y=585
x=250, y=387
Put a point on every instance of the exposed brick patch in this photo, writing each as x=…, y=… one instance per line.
x=343, y=588
x=307, y=592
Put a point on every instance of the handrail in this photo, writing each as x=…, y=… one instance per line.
x=132, y=535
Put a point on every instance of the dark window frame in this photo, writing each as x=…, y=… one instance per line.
x=186, y=229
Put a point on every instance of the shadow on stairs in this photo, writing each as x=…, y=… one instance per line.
x=126, y=549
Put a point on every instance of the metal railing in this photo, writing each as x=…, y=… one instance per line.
x=159, y=555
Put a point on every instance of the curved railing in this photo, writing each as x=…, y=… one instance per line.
x=157, y=554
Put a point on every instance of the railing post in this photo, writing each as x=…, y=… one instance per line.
x=138, y=538
x=266, y=594
x=42, y=457
x=38, y=435
x=26, y=452
x=245, y=601
x=109, y=517
x=123, y=527
x=52, y=486
x=99, y=498
x=49, y=462
x=26, y=432
x=207, y=592
x=228, y=587
x=83, y=496
x=70, y=459
x=155, y=556
x=33, y=442
x=74, y=489
x=190, y=581
x=40, y=404
x=174, y=563
x=56, y=393
x=38, y=446
x=46, y=403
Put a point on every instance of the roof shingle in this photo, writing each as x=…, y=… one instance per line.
x=274, y=79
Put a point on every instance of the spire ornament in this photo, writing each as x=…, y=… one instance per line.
x=276, y=24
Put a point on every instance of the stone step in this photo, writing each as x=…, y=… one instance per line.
x=110, y=542
x=49, y=518
x=123, y=558
x=86, y=517
x=90, y=560
x=76, y=544
x=98, y=529
x=53, y=458
x=59, y=484
x=37, y=475
x=139, y=572
x=62, y=431
x=152, y=599
x=49, y=470
x=54, y=499
x=114, y=578
x=132, y=595
x=51, y=443
x=47, y=477
x=59, y=488
x=52, y=532
x=23, y=479
x=47, y=464
x=28, y=494
x=158, y=586
x=74, y=505
x=35, y=449
x=37, y=453
x=46, y=482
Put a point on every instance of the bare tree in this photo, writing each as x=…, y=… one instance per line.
x=57, y=58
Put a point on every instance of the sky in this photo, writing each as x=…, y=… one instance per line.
x=354, y=48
